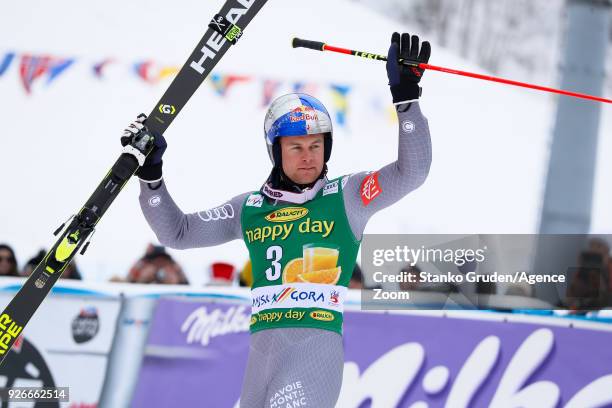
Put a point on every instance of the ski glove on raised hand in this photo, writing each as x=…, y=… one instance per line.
x=404, y=79
x=151, y=170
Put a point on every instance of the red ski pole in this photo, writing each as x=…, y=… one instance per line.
x=319, y=46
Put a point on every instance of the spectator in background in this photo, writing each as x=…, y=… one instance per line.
x=29, y=266
x=519, y=289
x=356, y=281
x=71, y=272
x=221, y=274
x=601, y=247
x=589, y=288
x=156, y=266
x=245, y=278
x=8, y=261
x=415, y=272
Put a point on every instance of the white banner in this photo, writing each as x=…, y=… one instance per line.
x=66, y=343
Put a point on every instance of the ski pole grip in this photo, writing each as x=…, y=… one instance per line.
x=315, y=45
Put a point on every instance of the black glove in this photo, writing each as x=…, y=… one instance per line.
x=404, y=79
x=151, y=170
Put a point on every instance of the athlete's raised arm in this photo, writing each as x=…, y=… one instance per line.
x=365, y=193
x=172, y=227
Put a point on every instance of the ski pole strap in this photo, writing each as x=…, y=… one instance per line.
x=231, y=32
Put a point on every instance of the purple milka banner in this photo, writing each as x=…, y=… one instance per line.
x=197, y=352
x=195, y=357
x=419, y=362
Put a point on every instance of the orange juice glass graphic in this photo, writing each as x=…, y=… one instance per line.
x=318, y=258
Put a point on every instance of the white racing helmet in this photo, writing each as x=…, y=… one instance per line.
x=296, y=114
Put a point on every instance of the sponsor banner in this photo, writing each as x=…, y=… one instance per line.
x=198, y=351
x=66, y=344
x=451, y=362
x=195, y=356
x=304, y=295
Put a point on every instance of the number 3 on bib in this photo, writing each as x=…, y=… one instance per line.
x=274, y=254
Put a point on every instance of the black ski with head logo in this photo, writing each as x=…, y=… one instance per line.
x=222, y=33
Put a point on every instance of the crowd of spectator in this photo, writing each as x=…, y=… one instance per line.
x=155, y=266
x=589, y=287
x=9, y=266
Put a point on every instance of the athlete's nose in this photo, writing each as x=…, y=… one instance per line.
x=307, y=156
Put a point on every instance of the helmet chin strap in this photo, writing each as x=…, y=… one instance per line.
x=280, y=187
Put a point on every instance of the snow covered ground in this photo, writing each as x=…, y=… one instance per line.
x=490, y=141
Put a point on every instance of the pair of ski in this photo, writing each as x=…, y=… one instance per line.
x=223, y=31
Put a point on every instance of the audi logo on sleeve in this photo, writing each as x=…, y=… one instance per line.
x=223, y=212
x=408, y=126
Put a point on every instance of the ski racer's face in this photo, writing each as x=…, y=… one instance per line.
x=303, y=157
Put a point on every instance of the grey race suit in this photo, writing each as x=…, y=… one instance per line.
x=306, y=362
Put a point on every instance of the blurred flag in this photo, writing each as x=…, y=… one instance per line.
x=56, y=67
x=98, y=67
x=141, y=69
x=222, y=83
x=6, y=62
x=167, y=71
x=152, y=73
x=308, y=88
x=270, y=86
x=340, y=102
x=34, y=67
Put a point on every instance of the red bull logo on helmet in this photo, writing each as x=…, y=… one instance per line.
x=303, y=109
x=303, y=113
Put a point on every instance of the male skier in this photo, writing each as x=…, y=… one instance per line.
x=302, y=231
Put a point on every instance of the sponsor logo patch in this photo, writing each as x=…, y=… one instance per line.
x=303, y=113
x=333, y=298
x=86, y=325
x=224, y=212
x=330, y=188
x=370, y=188
x=408, y=126
x=167, y=109
x=286, y=294
x=322, y=315
x=272, y=193
x=155, y=201
x=255, y=200
x=287, y=214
